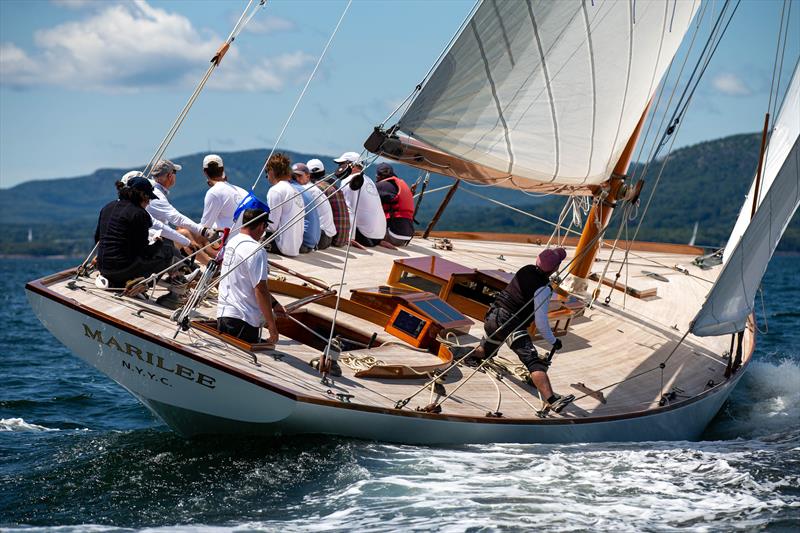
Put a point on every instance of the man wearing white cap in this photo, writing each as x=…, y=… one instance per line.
x=324, y=210
x=366, y=213
x=222, y=198
x=340, y=213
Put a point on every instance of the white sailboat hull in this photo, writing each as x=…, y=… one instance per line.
x=195, y=398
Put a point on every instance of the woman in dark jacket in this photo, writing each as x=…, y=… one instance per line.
x=123, y=251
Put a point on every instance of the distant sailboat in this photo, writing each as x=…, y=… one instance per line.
x=694, y=233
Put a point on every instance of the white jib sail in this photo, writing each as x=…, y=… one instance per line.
x=549, y=91
x=785, y=130
x=732, y=296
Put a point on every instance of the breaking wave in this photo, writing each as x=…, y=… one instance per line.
x=18, y=424
x=766, y=401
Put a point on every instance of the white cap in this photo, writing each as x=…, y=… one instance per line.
x=131, y=174
x=350, y=157
x=212, y=158
x=315, y=165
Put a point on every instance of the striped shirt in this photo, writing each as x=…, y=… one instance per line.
x=341, y=214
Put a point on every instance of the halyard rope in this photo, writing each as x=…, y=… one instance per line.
x=302, y=93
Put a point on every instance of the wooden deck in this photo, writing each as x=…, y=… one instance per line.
x=614, y=348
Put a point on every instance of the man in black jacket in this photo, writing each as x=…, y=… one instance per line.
x=123, y=251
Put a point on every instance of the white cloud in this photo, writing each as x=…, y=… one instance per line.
x=270, y=74
x=730, y=84
x=269, y=24
x=134, y=46
x=72, y=4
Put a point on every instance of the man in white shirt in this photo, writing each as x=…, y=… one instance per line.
x=287, y=210
x=159, y=229
x=368, y=222
x=245, y=302
x=165, y=175
x=320, y=202
x=222, y=198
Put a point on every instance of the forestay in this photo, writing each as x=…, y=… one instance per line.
x=548, y=92
x=732, y=296
x=785, y=130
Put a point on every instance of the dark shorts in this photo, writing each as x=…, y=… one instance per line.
x=501, y=324
x=366, y=241
x=239, y=329
x=141, y=267
x=324, y=241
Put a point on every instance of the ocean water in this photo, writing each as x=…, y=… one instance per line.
x=78, y=453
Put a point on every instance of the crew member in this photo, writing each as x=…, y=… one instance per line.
x=398, y=205
x=158, y=228
x=286, y=208
x=366, y=214
x=528, y=295
x=320, y=202
x=338, y=228
x=123, y=252
x=245, y=302
x=222, y=198
x=165, y=175
x=311, y=224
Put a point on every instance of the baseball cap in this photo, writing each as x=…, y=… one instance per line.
x=315, y=165
x=140, y=183
x=384, y=170
x=211, y=158
x=350, y=157
x=165, y=166
x=549, y=260
x=132, y=174
x=300, y=168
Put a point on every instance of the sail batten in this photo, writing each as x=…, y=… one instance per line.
x=547, y=92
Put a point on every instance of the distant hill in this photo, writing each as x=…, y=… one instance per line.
x=705, y=183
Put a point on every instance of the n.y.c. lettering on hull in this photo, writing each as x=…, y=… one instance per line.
x=151, y=359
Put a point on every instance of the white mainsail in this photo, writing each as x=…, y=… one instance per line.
x=545, y=91
x=732, y=296
x=785, y=130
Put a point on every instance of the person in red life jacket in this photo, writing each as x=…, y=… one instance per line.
x=398, y=205
x=526, y=298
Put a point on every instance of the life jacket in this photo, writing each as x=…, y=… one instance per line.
x=402, y=206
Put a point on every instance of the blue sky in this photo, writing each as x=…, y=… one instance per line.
x=86, y=84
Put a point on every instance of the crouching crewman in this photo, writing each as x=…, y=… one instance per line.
x=245, y=302
x=528, y=295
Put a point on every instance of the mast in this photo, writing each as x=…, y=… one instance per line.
x=601, y=212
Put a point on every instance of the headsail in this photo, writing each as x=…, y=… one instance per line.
x=784, y=133
x=541, y=92
x=731, y=298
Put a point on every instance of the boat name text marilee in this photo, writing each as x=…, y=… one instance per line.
x=151, y=359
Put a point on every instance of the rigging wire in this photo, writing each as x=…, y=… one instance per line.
x=327, y=352
x=215, y=62
x=302, y=93
x=670, y=134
